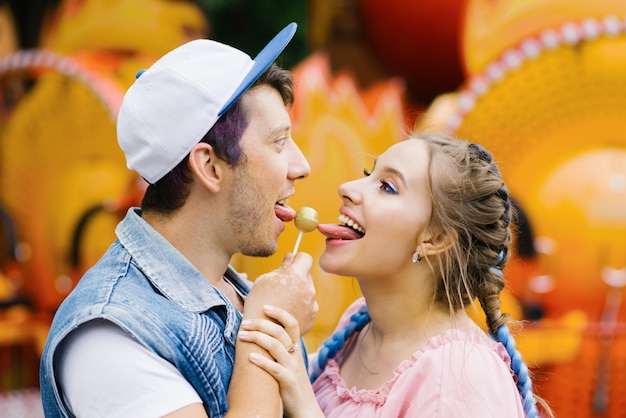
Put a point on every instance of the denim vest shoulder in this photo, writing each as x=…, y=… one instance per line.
x=168, y=307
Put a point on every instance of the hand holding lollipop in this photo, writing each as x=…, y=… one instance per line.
x=306, y=221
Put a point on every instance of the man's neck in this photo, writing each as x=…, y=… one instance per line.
x=191, y=241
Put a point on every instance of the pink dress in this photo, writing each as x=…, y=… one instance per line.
x=455, y=375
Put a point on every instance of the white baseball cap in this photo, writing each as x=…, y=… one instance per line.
x=174, y=103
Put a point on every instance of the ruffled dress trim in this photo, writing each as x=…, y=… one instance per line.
x=379, y=396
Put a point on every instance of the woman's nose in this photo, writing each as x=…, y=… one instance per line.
x=348, y=191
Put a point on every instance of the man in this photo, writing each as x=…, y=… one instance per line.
x=150, y=330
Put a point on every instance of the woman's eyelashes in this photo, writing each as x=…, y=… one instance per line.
x=388, y=187
x=385, y=185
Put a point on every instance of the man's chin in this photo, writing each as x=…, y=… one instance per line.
x=261, y=252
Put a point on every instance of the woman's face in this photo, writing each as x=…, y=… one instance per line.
x=391, y=205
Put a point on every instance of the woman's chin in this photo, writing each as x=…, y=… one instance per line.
x=331, y=264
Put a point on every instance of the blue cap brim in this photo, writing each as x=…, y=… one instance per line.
x=262, y=61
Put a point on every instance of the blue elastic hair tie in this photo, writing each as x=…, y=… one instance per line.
x=497, y=270
x=524, y=383
x=332, y=345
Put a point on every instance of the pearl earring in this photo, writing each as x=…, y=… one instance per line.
x=416, y=257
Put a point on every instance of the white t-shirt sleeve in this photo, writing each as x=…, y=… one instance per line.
x=103, y=371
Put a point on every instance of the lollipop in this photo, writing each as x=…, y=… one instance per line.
x=306, y=221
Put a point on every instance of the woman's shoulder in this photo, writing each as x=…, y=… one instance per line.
x=456, y=347
x=469, y=370
x=454, y=358
x=458, y=360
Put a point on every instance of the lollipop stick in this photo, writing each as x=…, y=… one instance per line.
x=295, y=247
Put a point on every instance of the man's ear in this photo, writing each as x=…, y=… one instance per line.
x=205, y=165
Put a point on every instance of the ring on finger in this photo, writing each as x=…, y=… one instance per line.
x=293, y=348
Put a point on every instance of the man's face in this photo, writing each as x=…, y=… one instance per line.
x=265, y=178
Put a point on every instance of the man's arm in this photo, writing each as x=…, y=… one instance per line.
x=195, y=410
x=103, y=370
x=252, y=391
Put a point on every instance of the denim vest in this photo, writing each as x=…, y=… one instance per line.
x=146, y=287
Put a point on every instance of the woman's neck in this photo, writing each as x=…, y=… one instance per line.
x=399, y=310
x=402, y=322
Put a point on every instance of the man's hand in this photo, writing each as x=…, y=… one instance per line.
x=253, y=391
x=289, y=287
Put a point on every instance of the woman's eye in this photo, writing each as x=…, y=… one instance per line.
x=388, y=187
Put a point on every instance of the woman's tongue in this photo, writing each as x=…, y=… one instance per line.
x=333, y=231
x=284, y=213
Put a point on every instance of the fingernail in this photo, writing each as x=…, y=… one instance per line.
x=246, y=323
x=254, y=357
x=268, y=308
x=243, y=334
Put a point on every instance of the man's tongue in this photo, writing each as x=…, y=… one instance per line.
x=284, y=213
x=333, y=231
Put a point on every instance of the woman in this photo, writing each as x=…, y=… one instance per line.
x=426, y=234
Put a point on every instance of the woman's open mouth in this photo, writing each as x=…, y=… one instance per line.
x=349, y=229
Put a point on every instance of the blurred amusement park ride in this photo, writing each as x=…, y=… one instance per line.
x=542, y=84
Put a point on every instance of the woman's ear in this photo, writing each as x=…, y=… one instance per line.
x=206, y=167
x=436, y=244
